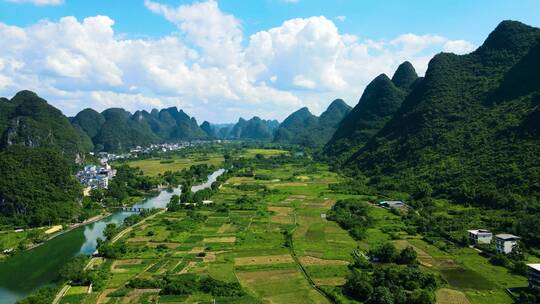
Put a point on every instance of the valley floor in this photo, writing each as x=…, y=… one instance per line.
x=282, y=249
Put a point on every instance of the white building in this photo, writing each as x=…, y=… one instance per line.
x=533, y=275
x=392, y=204
x=505, y=243
x=480, y=236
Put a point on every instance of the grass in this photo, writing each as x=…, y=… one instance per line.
x=250, y=153
x=155, y=166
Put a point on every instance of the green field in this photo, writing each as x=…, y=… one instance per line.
x=155, y=166
x=247, y=245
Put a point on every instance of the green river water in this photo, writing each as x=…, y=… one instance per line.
x=30, y=270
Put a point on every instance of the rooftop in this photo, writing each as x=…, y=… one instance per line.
x=534, y=266
x=506, y=236
x=476, y=231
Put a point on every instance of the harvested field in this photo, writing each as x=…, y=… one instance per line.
x=225, y=239
x=450, y=296
x=313, y=261
x=330, y=281
x=263, y=260
x=115, y=267
x=225, y=228
x=139, y=239
x=282, y=215
x=135, y=295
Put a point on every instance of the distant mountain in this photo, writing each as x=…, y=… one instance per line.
x=117, y=130
x=306, y=129
x=90, y=121
x=208, y=129
x=255, y=128
x=29, y=120
x=380, y=101
x=122, y=131
x=405, y=76
x=470, y=129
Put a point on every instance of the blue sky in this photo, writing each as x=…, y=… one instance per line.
x=463, y=19
x=257, y=57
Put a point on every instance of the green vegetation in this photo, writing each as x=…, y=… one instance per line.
x=117, y=130
x=254, y=129
x=380, y=101
x=29, y=120
x=37, y=188
x=464, y=130
x=305, y=129
x=155, y=166
x=352, y=216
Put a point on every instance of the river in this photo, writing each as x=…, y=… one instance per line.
x=30, y=270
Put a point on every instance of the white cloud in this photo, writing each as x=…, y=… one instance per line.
x=39, y=2
x=217, y=34
x=204, y=68
x=458, y=46
x=341, y=18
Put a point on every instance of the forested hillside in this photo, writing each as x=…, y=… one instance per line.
x=29, y=120
x=305, y=129
x=117, y=130
x=37, y=187
x=469, y=129
x=379, y=102
x=254, y=128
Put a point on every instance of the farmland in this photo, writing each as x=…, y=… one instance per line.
x=267, y=240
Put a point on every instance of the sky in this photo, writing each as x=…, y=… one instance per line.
x=224, y=59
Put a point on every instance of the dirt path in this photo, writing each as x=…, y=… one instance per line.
x=128, y=229
x=311, y=282
x=60, y=294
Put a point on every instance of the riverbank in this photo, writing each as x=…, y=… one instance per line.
x=91, y=220
x=32, y=269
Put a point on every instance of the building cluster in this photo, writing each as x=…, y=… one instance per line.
x=161, y=147
x=140, y=150
x=504, y=242
x=96, y=177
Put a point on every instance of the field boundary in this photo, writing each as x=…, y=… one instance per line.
x=290, y=242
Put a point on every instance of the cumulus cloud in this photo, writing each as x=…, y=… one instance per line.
x=209, y=68
x=39, y=2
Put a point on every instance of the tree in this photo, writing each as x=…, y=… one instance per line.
x=74, y=271
x=174, y=203
x=110, y=231
x=358, y=286
x=407, y=256
x=421, y=296
x=97, y=195
x=385, y=253
x=382, y=295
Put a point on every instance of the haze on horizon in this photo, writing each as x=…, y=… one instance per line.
x=221, y=60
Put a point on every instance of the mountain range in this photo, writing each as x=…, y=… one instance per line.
x=28, y=120
x=379, y=102
x=305, y=129
x=468, y=130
